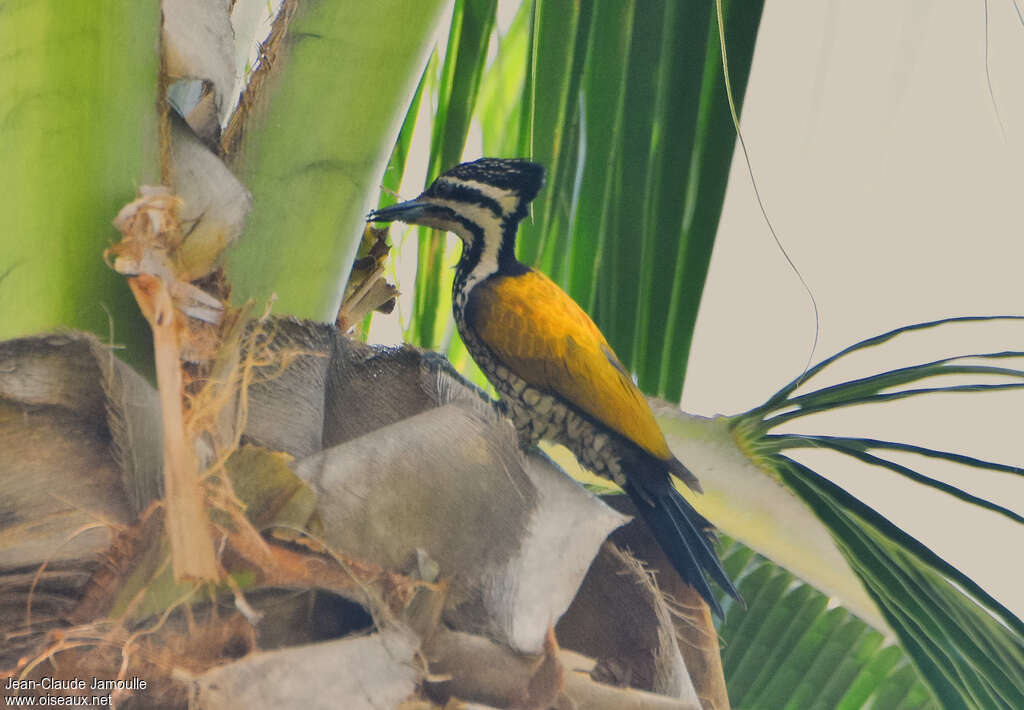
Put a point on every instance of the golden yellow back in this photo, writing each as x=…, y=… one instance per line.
x=536, y=330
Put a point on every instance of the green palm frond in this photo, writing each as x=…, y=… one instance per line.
x=791, y=648
x=457, y=90
x=872, y=385
x=625, y=105
x=966, y=644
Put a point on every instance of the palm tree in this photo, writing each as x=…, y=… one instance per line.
x=625, y=103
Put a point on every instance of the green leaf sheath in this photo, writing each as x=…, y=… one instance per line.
x=316, y=146
x=78, y=136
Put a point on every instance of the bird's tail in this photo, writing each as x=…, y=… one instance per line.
x=685, y=537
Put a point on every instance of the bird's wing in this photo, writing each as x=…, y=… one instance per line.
x=536, y=330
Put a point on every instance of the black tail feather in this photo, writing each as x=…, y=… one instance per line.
x=702, y=528
x=684, y=535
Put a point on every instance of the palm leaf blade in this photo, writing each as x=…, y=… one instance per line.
x=787, y=390
x=789, y=649
x=856, y=449
x=603, y=102
x=704, y=192
x=881, y=554
x=458, y=86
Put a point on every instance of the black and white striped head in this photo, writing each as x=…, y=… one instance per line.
x=482, y=202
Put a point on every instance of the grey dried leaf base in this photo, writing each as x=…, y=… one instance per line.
x=412, y=468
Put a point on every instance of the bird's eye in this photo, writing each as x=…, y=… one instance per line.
x=442, y=189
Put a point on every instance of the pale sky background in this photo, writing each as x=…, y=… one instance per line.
x=881, y=162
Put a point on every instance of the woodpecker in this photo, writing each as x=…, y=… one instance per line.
x=554, y=371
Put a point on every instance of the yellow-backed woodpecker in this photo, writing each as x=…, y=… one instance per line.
x=550, y=364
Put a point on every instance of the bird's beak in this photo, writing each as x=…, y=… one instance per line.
x=408, y=212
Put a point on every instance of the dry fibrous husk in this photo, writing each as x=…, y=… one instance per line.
x=412, y=497
x=80, y=435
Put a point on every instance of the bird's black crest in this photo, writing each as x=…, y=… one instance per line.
x=514, y=174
